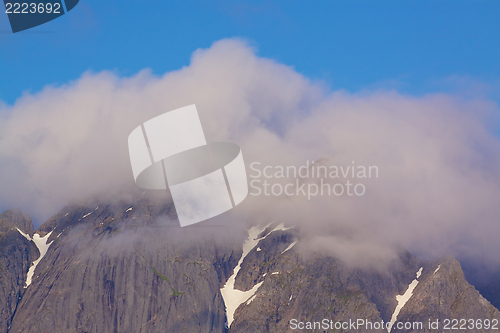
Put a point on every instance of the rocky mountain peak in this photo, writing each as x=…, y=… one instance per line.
x=127, y=266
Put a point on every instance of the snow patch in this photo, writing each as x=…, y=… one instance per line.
x=437, y=269
x=25, y=235
x=84, y=216
x=233, y=298
x=290, y=298
x=96, y=208
x=128, y=210
x=274, y=273
x=41, y=244
x=289, y=247
x=251, y=299
x=66, y=214
x=259, y=249
x=402, y=299
x=281, y=227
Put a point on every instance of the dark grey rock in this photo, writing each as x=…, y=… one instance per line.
x=122, y=270
x=16, y=255
x=446, y=294
x=115, y=269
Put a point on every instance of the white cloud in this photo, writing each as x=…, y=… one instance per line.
x=438, y=189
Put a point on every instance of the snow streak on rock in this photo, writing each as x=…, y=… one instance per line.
x=402, y=299
x=28, y=237
x=41, y=244
x=251, y=299
x=289, y=247
x=233, y=298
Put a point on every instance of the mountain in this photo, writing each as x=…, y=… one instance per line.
x=127, y=266
x=16, y=255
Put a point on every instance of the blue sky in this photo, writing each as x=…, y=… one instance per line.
x=413, y=46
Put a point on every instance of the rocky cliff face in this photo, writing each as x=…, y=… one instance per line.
x=318, y=288
x=16, y=255
x=117, y=268
x=443, y=293
x=129, y=267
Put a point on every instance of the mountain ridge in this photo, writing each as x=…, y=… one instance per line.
x=129, y=267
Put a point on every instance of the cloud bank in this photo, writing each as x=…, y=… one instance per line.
x=438, y=184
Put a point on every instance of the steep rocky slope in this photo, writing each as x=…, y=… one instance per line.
x=16, y=255
x=318, y=288
x=117, y=268
x=129, y=267
x=443, y=294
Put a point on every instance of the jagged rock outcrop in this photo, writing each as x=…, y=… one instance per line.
x=318, y=288
x=314, y=289
x=444, y=294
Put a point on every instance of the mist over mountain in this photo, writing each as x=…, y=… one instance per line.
x=436, y=193
x=115, y=259
x=368, y=132
x=127, y=266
